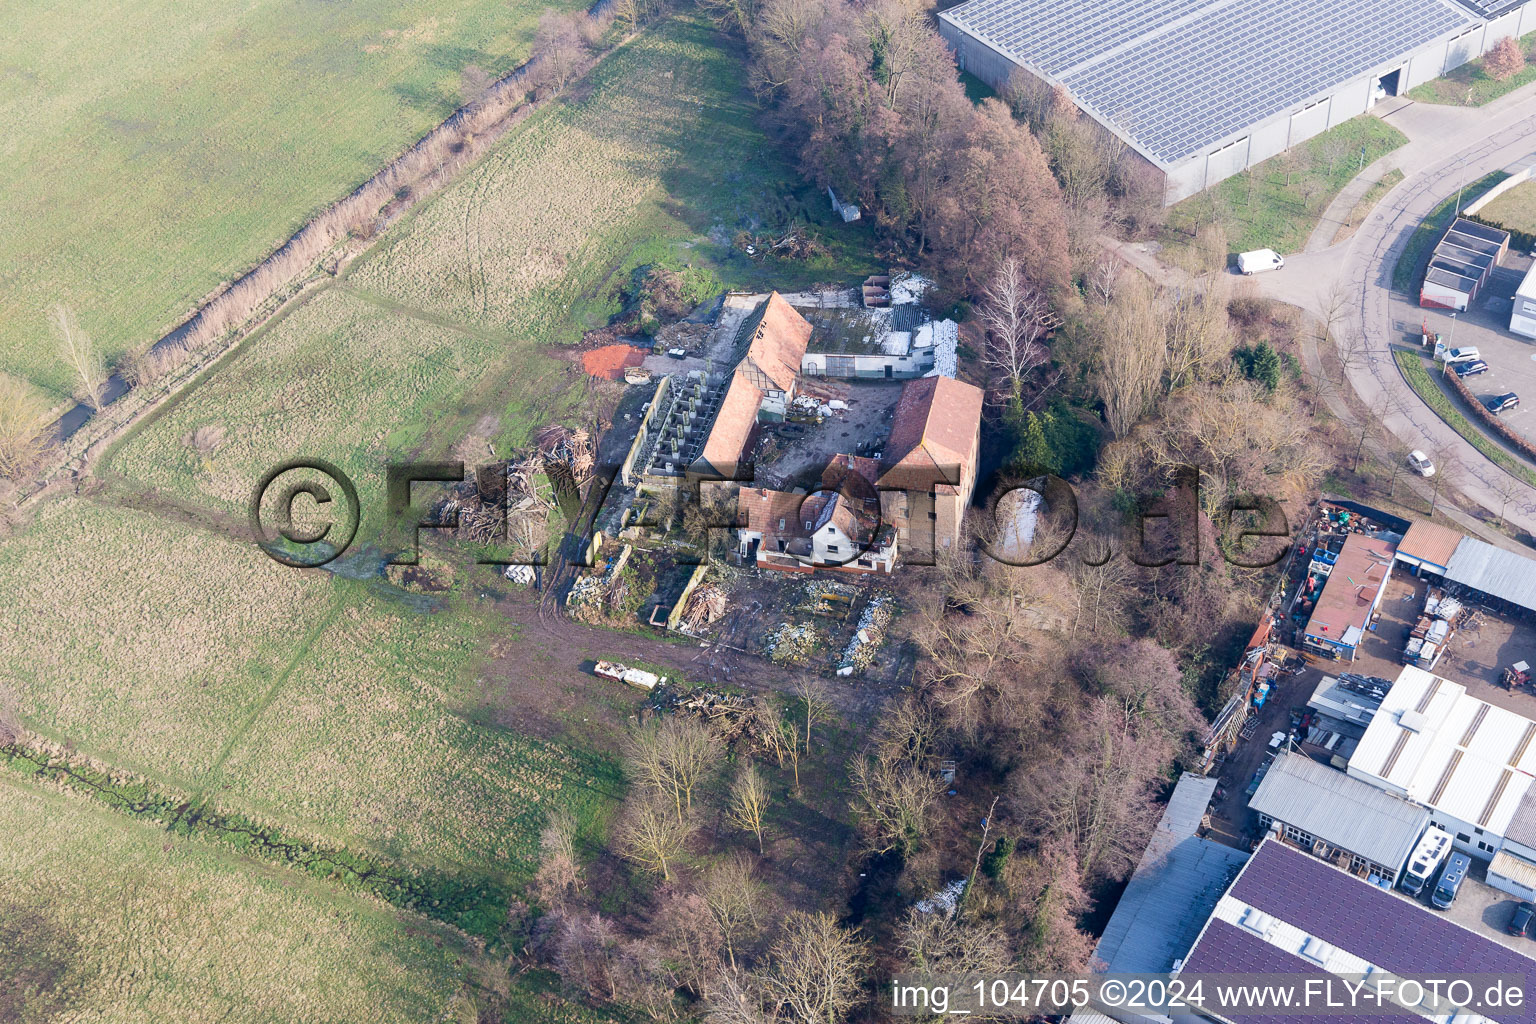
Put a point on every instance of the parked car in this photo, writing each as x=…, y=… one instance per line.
x=1465, y=354
x=1498, y=403
x=1420, y=463
x=1451, y=876
x=1520, y=920
x=1259, y=260
x=1471, y=369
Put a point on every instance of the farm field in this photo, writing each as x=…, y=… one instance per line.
x=111, y=920
x=154, y=149
x=329, y=708
x=455, y=314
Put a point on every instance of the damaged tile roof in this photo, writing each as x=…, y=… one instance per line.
x=779, y=336
x=725, y=449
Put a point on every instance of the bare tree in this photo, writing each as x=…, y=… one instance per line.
x=895, y=799
x=559, y=873
x=734, y=897
x=941, y=944
x=767, y=723
x=674, y=757
x=650, y=835
x=1132, y=355
x=1508, y=489
x=1106, y=271
x=79, y=354
x=816, y=970
x=557, y=48
x=749, y=802
x=792, y=741
x=687, y=939
x=1447, y=470
x=22, y=411
x=10, y=716
x=1016, y=317
x=817, y=701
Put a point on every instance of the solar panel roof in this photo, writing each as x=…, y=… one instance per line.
x=1179, y=75
x=1394, y=933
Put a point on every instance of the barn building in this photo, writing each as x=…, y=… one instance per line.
x=1203, y=89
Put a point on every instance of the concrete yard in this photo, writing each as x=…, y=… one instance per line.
x=1476, y=658
x=794, y=454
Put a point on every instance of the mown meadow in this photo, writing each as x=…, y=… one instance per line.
x=156, y=149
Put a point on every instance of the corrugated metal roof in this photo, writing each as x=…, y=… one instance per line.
x=1502, y=574
x=1429, y=542
x=1439, y=746
x=1341, y=811
x=1180, y=75
x=1177, y=883
x=1517, y=868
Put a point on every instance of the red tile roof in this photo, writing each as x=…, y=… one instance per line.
x=933, y=434
x=725, y=449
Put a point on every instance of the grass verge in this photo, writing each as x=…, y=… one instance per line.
x=1471, y=86
x=1412, y=365
x=1276, y=204
x=1416, y=252
x=1515, y=210
x=1367, y=203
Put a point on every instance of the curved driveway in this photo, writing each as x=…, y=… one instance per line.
x=1373, y=313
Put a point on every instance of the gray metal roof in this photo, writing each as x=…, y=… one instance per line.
x=1494, y=571
x=1176, y=885
x=1176, y=76
x=1340, y=810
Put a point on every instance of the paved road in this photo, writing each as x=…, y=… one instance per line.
x=1436, y=164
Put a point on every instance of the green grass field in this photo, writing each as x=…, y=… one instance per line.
x=153, y=150
x=111, y=920
x=1276, y=204
x=459, y=312
x=157, y=641
x=1514, y=209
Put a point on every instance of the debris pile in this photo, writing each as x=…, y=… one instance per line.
x=793, y=643
x=867, y=639
x=944, y=901
x=520, y=574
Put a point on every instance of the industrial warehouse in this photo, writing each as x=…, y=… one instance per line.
x=1195, y=86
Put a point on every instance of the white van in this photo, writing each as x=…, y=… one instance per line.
x=1259, y=260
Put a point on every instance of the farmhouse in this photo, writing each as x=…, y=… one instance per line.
x=760, y=387
x=825, y=529
x=1203, y=89
x=930, y=462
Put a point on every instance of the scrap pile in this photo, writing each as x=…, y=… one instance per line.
x=732, y=715
x=829, y=599
x=572, y=448
x=867, y=639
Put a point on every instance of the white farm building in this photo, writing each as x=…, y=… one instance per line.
x=1203, y=89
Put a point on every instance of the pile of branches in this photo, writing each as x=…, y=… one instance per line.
x=794, y=243
x=705, y=605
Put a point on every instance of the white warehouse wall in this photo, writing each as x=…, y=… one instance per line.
x=1286, y=128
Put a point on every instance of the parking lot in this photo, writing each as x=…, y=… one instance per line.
x=1484, y=325
x=1482, y=908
